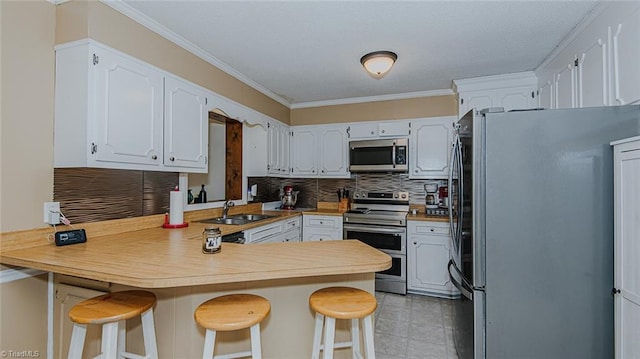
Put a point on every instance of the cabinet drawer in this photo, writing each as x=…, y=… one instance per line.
x=426, y=228
x=328, y=222
x=291, y=224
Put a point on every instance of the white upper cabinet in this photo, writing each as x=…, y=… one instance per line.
x=376, y=129
x=278, y=137
x=599, y=65
x=304, y=151
x=319, y=151
x=334, y=153
x=626, y=58
x=430, y=147
x=511, y=91
x=111, y=111
x=186, y=125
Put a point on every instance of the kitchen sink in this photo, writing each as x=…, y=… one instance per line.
x=237, y=219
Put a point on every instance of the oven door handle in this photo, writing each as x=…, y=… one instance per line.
x=352, y=227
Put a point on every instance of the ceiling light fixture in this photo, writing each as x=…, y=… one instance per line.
x=378, y=63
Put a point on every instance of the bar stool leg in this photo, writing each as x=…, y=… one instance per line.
x=355, y=338
x=110, y=340
x=209, y=344
x=317, y=336
x=77, y=341
x=149, y=335
x=122, y=339
x=256, y=348
x=329, y=337
x=368, y=337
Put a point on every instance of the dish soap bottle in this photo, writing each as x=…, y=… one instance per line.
x=202, y=196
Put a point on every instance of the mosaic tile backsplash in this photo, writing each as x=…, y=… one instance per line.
x=313, y=190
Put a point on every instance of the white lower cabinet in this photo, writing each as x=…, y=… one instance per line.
x=428, y=253
x=287, y=230
x=627, y=248
x=321, y=228
x=66, y=297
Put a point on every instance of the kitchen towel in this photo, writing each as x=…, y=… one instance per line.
x=176, y=208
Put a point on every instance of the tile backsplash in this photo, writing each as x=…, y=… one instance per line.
x=313, y=190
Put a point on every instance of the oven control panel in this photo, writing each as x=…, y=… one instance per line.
x=384, y=196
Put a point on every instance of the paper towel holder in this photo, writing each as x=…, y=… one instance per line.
x=166, y=223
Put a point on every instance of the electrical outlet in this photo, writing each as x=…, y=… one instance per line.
x=52, y=213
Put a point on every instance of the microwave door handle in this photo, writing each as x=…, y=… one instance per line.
x=393, y=155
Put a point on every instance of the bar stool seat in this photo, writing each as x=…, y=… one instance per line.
x=342, y=303
x=111, y=311
x=232, y=312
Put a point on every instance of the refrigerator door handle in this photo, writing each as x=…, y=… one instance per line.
x=451, y=165
x=462, y=285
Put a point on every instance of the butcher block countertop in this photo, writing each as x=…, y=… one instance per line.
x=162, y=258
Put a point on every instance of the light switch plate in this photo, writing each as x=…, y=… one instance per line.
x=52, y=213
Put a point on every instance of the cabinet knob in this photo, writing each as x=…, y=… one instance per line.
x=372, y=132
x=172, y=158
x=415, y=243
x=322, y=171
x=383, y=131
x=416, y=171
x=154, y=157
x=431, y=229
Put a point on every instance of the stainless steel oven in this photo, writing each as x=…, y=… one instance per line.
x=379, y=220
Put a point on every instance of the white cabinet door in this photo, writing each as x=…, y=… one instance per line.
x=304, y=151
x=627, y=249
x=283, y=148
x=256, y=147
x=186, y=125
x=565, y=87
x=278, y=147
x=430, y=147
x=363, y=131
x=393, y=129
x=593, y=84
x=65, y=298
x=428, y=253
x=546, y=95
x=517, y=98
x=478, y=100
x=626, y=52
x=334, y=151
x=128, y=110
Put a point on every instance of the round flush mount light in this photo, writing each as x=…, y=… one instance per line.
x=378, y=63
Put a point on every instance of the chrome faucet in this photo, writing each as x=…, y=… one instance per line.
x=225, y=209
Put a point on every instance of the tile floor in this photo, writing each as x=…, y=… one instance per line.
x=413, y=327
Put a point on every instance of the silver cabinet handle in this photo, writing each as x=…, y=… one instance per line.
x=172, y=158
x=154, y=157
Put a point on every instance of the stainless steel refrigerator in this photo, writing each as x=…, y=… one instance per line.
x=532, y=197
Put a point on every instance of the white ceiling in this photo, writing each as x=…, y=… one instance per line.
x=305, y=52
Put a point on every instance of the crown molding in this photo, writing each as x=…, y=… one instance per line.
x=354, y=100
x=156, y=27
x=526, y=78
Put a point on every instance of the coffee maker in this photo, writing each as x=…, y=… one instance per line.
x=432, y=199
x=289, y=198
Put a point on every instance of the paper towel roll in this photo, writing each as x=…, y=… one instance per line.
x=176, y=209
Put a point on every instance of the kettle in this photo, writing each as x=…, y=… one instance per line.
x=289, y=198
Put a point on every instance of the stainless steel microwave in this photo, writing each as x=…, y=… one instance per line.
x=388, y=155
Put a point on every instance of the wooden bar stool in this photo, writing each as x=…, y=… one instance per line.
x=232, y=312
x=112, y=310
x=343, y=303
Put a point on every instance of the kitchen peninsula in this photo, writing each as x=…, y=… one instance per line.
x=170, y=263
